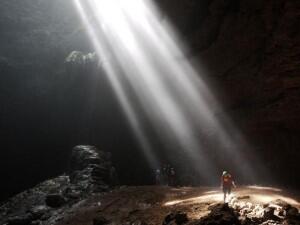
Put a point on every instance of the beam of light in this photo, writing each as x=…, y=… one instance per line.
x=176, y=100
x=119, y=90
x=258, y=198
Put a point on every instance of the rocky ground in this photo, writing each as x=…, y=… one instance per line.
x=163, y=205
x=87, y=195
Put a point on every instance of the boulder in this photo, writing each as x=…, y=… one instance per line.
x=292, y=212
x=100, y=220
x=91, y=169
x=269, y=214
x=175, y=218
x=220, y=214
x=38, y=211
x=55, y=200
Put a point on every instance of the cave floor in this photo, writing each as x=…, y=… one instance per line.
x=151, y=204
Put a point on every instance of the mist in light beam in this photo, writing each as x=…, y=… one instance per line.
x=146, y=63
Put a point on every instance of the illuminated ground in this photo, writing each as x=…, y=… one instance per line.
x=152, y=203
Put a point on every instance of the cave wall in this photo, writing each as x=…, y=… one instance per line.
x=249, y=48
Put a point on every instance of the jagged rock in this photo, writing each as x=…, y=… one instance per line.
x=100, y=220
x=89, y=173
x=175, y=218
x=90, y=168
x=220, y=214
x=292, y=212
x=269, y=214
x=55, y=200
x=38, y=211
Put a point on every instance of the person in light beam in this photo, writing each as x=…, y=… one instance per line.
x=227, y=183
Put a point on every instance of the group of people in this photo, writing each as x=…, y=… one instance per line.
x=165, y=175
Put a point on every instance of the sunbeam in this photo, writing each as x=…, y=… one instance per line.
x=146, y=59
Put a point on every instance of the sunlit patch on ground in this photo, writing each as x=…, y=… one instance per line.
x=199, y=199
x=254, y=194
x=265, y=198
x=152, y=204
x=264, y=188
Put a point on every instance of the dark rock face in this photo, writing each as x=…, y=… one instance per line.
x=91, y=169
x=175, y=218
x=48, y=200
x=100, y=220
x=55, y=200
x=220, y=214
x=250, y=48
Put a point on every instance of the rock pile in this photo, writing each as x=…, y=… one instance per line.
x=90, y=172
x=220, y=214
x=276, y=212
x=245, y=213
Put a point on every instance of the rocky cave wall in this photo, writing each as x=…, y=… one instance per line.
x=249, y=48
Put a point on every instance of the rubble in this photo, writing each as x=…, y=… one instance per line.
x=89, y=173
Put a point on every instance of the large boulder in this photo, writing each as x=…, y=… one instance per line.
x=90, y=168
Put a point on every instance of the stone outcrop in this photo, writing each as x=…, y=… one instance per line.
x=246, y=213
x=90, y=172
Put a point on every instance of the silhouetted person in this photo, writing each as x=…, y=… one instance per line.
x=158, y=177
x=165, y=174
x=172, y=177
x=227, y=183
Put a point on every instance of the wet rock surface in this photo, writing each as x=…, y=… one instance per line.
x=90, y=171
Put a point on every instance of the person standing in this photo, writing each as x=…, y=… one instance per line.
x=227, y=183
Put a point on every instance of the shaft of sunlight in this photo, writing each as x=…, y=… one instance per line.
x=176, y=100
